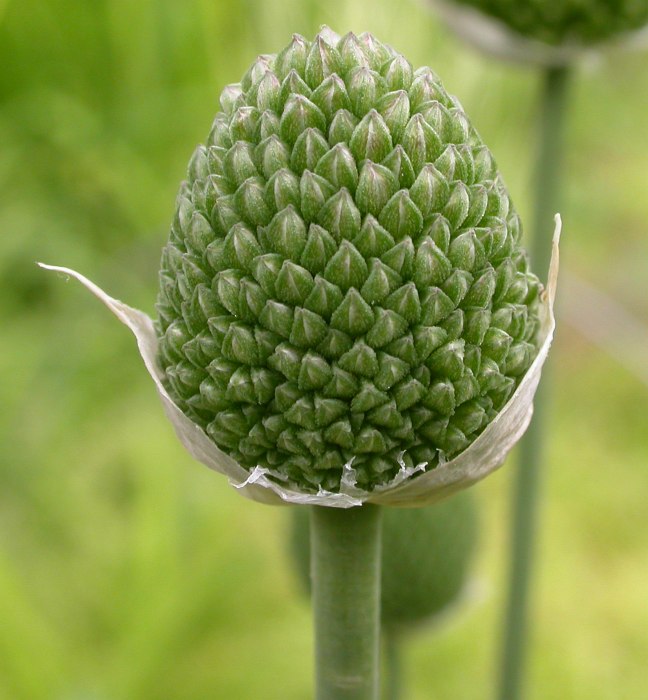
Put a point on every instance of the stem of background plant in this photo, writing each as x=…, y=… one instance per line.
x=525, y=495
x=345, y=573
x=393, y=684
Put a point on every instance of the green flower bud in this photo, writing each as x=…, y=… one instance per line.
x=243, y=124
x=239, y=164
x=293, y=284
x=371, y=138
x=250, y=202
x=365, y=89
x=314, y=192
x=342, y=127
x=293, y=57
x=399, y=163
x=342, y=275
x=282, y=189
x=271, y=155
x=268, y=125
x=395, y=110
x=307, y=151
x=319, y=249
x=331, y=96
x=376, y=186
x=293, y=84
x=268, y=92
x=347, y=268
x=338, y=166
x=340, y=215
x=397, y=73
x=286, y=233
x=322, y=60
x=299, y=114
x=421, y=143
x=355, y=240
x=542, y=31
x=571, y=21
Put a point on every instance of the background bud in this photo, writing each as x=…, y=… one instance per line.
x=584, y=22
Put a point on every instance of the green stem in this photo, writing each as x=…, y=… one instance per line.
x=345, y=571
x=526, y=487
x=548, y=171
x=393, y=665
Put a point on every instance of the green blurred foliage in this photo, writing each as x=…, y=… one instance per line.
x=129, y=572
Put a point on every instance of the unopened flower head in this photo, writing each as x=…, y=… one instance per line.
x=343, y=286
x=584, y=22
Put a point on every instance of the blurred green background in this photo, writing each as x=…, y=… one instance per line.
x=127, y=571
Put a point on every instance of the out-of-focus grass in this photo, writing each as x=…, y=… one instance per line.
x=129, y=572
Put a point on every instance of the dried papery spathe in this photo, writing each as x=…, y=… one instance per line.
x=535, y=34
x=409, y=487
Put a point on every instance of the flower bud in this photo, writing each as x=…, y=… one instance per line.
x=293, y=57
x=271, y=155
x=307, y=151
x=268, y=92
x=543, y=31
x=331, y=96
x=366, y=87
x=322, y=60
x=299, y=114
x=421, y=143
x=340, y=215
x=292, y=84
x=282, y=189
x=376, y=186
x=314, y=192
x=343, y=298
x=397, y=73
x=338, y=166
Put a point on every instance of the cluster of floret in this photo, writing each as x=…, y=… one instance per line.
x=343, y=282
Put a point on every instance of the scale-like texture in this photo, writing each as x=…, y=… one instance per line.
x=343, y=278
x=567, y=21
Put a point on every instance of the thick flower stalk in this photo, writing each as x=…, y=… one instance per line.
x=426, y=556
